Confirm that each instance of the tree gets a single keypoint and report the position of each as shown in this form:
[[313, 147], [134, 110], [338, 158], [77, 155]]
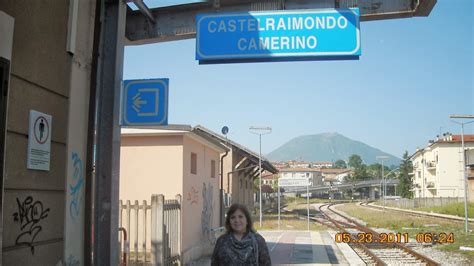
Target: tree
[[406, 181], [359, 168], [355, 161], [375, 170], [340, 164]]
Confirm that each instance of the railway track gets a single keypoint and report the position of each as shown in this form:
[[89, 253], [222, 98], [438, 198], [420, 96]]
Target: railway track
[[373, 247]]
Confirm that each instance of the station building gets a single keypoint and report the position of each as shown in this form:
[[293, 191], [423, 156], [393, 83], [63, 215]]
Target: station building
[[175, 161], [182, 160], [46, 59], [240, 168]]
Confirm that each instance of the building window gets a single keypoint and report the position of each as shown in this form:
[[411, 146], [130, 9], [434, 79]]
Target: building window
[[240, 183], [246, 184], [193, 163], [213, 168]]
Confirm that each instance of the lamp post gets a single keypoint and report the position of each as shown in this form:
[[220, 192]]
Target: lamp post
[[260, 131], [382, 158], [464, 161]]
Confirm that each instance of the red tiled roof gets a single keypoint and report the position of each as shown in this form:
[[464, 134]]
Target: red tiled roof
[[334, 171], [300, 170], [457, 138]]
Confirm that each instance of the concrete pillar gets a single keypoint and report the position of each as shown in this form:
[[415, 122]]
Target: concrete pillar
[[372, 193]]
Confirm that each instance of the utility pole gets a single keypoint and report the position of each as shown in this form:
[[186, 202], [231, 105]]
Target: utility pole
[[466, 222], [260, 131], [383, 187]]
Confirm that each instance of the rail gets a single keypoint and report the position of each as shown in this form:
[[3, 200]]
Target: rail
[[343, 227]]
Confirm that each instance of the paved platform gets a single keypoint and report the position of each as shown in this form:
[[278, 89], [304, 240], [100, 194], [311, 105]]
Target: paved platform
[[304, 248]]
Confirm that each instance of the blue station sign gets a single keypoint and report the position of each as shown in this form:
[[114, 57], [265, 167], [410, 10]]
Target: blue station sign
[[256, 35], [145, 102]]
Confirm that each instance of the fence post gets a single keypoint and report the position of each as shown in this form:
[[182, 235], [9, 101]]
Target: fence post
[[129, 228], [144, 231], [120, 243], [178, 222], [157, 202], [135, 246]]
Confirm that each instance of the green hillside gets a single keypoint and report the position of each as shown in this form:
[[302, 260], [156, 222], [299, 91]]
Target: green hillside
[[328, 147]]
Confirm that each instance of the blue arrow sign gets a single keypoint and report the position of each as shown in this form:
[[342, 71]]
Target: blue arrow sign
[[145, 102], [325, 33]]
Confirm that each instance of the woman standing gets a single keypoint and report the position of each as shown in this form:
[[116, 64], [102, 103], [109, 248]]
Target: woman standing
[[240, 245]]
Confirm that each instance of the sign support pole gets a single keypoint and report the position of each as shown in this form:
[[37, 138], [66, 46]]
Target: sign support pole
[[307, 200], [278, 205]]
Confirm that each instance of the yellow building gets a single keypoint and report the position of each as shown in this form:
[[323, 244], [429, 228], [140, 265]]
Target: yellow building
[[175, 161], [438, 168]]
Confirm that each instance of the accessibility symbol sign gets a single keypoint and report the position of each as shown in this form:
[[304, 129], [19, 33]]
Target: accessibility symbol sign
[[39, 141], [145, 102]]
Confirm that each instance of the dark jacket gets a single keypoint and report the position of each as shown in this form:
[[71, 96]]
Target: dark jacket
[[230, 251]]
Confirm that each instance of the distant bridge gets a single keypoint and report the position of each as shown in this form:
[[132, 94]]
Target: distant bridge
[[371, 184]]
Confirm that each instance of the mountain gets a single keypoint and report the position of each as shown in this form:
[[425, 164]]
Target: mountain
[[328, 147]]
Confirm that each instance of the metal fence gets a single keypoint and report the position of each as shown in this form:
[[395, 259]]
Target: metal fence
[[420, 202], [153, 230]]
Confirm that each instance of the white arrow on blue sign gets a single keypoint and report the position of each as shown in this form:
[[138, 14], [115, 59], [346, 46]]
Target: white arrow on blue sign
[[325, 33], [145, 102]]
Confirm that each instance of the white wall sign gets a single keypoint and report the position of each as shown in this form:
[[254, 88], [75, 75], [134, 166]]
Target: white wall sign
[[39, 141], [293, 182]]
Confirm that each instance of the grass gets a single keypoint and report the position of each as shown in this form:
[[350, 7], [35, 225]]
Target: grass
[[451, 209], [297, 203], [413, 225], [287, 222]]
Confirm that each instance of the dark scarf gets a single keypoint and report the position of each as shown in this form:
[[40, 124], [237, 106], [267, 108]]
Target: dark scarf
[[245, 250]]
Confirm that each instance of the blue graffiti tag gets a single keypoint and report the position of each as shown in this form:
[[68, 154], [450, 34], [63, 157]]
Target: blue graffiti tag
[[72, 261], [75, 188]]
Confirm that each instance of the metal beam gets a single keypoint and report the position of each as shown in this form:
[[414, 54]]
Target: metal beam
[[179, 22], [109, 76], [144, 9]]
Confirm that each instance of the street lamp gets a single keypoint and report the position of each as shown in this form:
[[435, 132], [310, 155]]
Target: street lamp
[[382, 158], [260, 131], [464, 161]]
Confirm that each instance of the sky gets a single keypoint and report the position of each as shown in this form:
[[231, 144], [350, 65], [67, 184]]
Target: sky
[[413, 73]]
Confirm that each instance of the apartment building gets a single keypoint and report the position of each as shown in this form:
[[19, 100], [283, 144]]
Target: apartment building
[[438, 168], [314, 174]]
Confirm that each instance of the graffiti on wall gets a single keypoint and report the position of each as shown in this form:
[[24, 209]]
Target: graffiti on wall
[[29, 216], [206, 218], [193, 196], [72, 261], [75, 187]]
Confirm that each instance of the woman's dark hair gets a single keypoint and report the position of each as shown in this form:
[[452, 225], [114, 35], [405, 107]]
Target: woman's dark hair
[[233, 208]]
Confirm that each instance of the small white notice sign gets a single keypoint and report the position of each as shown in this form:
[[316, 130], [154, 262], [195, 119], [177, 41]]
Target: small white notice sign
[[39, 141], [293, 182]]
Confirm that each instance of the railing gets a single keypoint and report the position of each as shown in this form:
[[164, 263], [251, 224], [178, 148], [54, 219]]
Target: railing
[[421, 202], [154, 230]]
